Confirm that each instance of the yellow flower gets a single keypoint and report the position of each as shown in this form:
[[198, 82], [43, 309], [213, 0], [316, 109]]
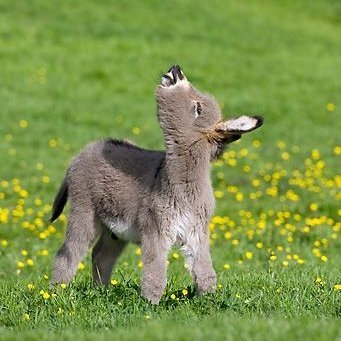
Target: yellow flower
[[45, 294], [23, 124], [273, 257], [306, 229], [114, 282], [20, 264], [246, 169], [315, 154], [324, 259], [256, 143], [218, 194], [53, 143], [227, 266], [285, 263], [228, 235], [184, 292], [320, 281], [81, 266], [281, 144], [285, 156], [330, 106], [63, 285], [4, 242], [239, 197], [44, 252], [232, 162], [313, 207], [8, 137], [42, 235], [175, 255], [244, 152], [337, 287], [39, 166], [255, 182], [290, 239], [140, 264], [138, 251], [30, 262], [232, 189], [37, 202], [45, 179], [30, 286], [26, 317], [248, 255], [272, 191], [23, 193], [173, 297], [259, 245], [136, 130]]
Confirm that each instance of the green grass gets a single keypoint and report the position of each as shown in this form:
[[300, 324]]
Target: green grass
[[77, 71]]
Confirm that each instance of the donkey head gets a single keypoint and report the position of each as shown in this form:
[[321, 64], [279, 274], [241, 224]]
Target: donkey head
[[187, 116]]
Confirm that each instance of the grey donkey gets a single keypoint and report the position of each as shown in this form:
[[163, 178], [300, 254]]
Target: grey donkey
[[121, 193]]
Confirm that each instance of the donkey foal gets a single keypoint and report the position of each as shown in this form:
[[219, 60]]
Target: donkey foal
[[120, 193]]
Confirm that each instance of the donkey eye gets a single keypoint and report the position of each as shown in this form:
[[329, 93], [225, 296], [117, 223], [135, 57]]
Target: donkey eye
[[198, 109]]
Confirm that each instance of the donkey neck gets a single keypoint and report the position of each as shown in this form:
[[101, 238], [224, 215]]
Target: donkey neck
[[188, 164]]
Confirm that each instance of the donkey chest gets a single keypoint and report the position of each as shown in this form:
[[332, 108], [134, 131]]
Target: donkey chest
[[183, 227]]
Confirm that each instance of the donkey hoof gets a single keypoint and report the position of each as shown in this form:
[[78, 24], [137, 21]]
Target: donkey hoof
[[207, 285]]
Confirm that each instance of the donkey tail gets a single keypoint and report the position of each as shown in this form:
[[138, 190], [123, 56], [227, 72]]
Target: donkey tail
[[59, 201]]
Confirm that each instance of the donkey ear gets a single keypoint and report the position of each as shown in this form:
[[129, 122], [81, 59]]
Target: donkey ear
[[240, 125]]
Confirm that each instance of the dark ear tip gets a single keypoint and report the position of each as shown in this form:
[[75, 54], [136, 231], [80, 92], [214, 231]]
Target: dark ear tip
[[260, 120], [236, 137]]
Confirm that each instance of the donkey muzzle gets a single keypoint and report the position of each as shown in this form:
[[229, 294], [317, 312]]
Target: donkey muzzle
[[173, 76]]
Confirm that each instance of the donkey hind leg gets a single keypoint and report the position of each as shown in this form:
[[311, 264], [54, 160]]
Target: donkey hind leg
[[104, 256], [82, 230]]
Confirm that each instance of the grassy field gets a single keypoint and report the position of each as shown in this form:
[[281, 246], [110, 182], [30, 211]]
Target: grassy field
[[77, 71]]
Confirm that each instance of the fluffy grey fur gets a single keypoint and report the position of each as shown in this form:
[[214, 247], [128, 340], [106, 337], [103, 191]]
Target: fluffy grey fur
[[120, 193]]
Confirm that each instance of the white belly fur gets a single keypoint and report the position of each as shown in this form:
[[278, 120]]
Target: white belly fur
[[123, 230]]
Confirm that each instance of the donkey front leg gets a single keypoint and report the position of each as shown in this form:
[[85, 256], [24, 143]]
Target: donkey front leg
[[197, 253], [154, 256]]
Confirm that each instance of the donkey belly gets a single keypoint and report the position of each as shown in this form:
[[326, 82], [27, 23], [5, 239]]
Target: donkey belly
[[123, 230]]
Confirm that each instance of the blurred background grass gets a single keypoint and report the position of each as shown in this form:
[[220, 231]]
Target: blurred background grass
[[76, 71], [82, 70]]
